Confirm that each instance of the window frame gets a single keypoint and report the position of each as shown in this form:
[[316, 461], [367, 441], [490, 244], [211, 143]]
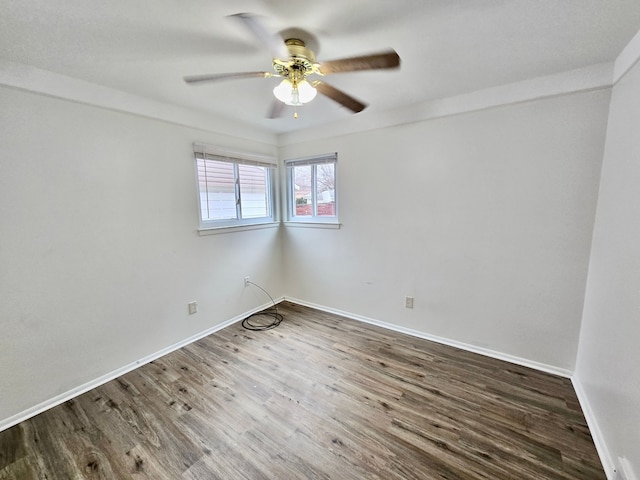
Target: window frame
[[204, 152], [314, 162]]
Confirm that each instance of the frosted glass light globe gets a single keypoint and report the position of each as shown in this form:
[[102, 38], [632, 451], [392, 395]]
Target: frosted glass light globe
[[286, 93]]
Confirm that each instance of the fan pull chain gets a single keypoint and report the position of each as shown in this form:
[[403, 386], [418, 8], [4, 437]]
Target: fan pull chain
[[295, 113]]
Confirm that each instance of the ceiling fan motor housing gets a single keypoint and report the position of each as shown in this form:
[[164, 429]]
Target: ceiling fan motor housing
[[301, 62]]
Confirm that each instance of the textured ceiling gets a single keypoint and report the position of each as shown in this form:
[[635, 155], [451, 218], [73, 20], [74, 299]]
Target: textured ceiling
[[448, 47]]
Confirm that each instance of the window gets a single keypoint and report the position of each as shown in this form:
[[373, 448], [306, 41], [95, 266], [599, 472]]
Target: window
[[312, 189], [234, 188]]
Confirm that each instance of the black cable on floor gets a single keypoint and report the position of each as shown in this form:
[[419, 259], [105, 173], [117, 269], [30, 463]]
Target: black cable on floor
[[269, 312]]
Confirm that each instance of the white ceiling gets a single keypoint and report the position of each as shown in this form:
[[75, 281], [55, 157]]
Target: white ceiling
[[448, 47]]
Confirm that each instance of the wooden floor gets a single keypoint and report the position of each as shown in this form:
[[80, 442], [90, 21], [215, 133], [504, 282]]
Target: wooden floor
[[319, 397]]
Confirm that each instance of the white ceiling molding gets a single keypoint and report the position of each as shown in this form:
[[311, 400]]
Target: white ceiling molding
[[448, 49], [40, 81], [627, 58], [585, 79], [35, 80]]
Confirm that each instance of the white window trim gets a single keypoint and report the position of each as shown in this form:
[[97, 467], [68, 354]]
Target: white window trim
[[236, 228], [211, 227], [311, 221], [312, 224]]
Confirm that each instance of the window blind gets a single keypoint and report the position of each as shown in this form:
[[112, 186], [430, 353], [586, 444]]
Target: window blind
[[315, 160], [210, 152]]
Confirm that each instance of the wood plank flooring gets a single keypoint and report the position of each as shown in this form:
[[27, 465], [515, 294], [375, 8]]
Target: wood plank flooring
[[319, 397]]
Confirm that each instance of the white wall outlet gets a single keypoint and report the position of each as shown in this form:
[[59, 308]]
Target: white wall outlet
[[408, 302], [246, 281], [193, 307]]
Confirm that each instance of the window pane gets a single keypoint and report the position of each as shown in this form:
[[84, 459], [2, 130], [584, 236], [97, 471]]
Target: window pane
[[254, 191], [217, 190], [302, 191], [325, 189]]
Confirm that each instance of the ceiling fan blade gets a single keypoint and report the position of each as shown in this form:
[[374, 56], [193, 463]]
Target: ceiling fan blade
[[275, 109], [214, 77], [272, 41], [339, 96], [376, 61]]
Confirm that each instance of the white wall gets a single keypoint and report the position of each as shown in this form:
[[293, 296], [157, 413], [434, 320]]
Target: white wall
[[99, 253], [608, 365], [485, 218]]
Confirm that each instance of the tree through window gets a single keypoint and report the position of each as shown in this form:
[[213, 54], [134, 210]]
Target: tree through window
[[312, 188]]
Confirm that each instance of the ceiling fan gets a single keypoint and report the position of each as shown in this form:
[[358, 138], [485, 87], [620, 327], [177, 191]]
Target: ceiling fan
[[294, 61]]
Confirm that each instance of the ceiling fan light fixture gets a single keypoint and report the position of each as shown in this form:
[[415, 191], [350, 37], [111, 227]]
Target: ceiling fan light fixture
[[299, 94], [306, 91], [296, 63]]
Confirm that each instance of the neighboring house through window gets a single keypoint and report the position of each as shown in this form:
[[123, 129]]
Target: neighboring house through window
[[311, 184], [234, 188]]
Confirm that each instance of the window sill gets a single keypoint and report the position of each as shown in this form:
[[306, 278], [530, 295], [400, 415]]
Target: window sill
[[333, 225], [236, 228]]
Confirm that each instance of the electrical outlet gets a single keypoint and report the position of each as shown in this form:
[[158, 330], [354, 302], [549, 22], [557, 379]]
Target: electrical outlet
[[408, 302], [246, 281], [193, 307]]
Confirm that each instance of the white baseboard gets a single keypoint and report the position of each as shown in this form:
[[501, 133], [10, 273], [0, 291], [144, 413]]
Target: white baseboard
[[445, 341], [79, 390], [615, 469], [605, 456], [596, 433]]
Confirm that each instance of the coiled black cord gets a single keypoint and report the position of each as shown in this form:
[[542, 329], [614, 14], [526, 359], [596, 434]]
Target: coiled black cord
[[269, 312]]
